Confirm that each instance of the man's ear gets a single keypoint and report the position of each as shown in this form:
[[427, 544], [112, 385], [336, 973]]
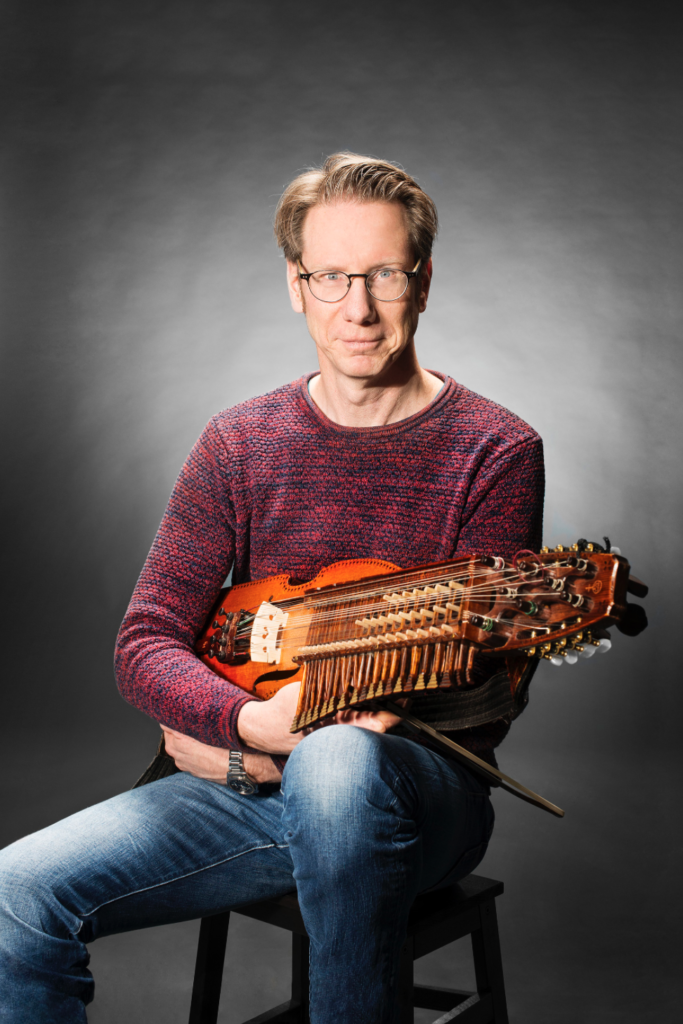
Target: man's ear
[[294, 287], [425, 280]]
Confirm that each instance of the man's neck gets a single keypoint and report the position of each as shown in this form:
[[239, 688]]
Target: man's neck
[[356, 402]]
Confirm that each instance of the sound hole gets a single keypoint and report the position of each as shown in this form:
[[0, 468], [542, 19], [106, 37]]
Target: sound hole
[[276, 677]]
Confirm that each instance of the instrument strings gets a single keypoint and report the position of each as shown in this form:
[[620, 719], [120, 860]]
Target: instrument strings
[[341, 607]]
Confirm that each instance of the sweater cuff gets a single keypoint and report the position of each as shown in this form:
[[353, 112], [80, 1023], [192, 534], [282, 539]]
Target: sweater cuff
[[230, 716], [229, 724]]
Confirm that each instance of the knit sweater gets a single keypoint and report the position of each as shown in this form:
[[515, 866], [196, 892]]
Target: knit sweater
[[272, 485]]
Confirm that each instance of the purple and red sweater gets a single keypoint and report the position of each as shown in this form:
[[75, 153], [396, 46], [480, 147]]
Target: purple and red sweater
[[272, 485]]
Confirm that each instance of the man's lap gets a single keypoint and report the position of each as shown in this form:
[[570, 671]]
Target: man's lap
[[182, 847], [173, 850], [435, 803]]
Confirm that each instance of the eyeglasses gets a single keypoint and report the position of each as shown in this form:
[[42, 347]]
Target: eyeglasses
[[385, 284]]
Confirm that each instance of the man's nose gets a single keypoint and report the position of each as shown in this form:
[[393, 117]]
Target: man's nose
[[358, 303]]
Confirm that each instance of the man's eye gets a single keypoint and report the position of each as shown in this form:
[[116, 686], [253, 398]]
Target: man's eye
[[384, 275], [331, 277]]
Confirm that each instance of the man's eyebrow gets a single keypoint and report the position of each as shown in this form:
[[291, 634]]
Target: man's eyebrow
[[376, 266]]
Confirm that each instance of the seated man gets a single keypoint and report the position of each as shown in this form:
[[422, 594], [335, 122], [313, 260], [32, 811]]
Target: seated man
[[371, 457]]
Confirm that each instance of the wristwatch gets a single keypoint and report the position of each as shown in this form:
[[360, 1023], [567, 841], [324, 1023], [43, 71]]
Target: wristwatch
[[237, 779]]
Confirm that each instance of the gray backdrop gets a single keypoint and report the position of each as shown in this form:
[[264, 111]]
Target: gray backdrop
[[145, 145]]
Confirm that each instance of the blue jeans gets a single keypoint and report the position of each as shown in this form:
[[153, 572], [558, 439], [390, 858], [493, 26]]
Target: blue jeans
[[361, 824]]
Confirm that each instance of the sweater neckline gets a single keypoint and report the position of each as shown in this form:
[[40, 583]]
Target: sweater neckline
[[449, 391]]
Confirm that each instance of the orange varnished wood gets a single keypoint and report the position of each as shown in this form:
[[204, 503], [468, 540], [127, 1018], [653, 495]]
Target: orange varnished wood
[[276, 589]]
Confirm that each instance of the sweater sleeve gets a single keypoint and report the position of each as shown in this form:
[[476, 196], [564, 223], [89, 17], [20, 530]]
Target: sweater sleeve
[[504, 513], [156, 668], [504, 509]]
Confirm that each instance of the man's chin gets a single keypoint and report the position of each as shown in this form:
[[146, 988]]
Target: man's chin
[[365, 366], [369, 371]]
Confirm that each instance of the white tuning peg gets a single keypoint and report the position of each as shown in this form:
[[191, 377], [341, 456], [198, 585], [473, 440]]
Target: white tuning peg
[[571, 657], [587, 652], [557, 660], [605, 645], [614, 551]]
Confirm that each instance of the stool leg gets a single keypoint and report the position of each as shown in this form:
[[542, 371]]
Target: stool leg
[[208, 974], [488, 962], [300, 966], [406, 1013]]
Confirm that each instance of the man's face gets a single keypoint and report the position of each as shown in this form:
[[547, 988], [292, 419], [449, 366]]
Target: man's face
[[359, 336]]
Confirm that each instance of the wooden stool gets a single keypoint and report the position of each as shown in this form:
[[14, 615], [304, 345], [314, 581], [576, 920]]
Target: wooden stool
[[436, 918]]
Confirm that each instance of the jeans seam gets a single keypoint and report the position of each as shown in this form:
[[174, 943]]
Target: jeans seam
[[178, 878]]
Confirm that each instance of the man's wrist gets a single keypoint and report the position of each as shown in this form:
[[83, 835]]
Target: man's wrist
[[237, 777], [263, 767]]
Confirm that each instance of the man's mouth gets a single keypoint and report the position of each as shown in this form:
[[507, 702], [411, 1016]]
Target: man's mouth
[[360, 341]]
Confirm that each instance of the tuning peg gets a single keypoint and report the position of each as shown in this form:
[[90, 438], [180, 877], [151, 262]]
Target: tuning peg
[[614, 551], [633, 621], [605, 645], [548, 654], [571, 657], [587, 652]]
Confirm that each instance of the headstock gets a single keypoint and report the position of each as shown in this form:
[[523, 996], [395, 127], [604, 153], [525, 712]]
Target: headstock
[[554, 605]]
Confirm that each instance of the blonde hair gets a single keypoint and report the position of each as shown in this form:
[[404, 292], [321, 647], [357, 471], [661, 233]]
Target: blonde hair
[[361, 178]]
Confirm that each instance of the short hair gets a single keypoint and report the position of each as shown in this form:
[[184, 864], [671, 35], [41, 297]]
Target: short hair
[[348, 176]]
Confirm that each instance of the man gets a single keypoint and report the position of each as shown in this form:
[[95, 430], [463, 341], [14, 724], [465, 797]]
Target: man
[[372, 456]]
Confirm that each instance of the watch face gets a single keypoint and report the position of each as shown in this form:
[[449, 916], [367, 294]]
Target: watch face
[[241, 785]]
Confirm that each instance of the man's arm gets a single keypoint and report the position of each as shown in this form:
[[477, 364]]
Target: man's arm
[[158, 671], [263, 725], [156, 667], [504, 510]]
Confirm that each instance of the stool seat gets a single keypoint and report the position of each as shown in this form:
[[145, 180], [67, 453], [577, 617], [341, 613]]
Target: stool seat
[[436, 919]]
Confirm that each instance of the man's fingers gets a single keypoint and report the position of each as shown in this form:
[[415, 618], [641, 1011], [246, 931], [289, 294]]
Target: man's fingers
[[177, 743], [173, 737], [373, 724], [172, 742], [375, 721]]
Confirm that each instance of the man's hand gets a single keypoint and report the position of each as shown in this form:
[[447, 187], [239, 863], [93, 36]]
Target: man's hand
[[376, 721], [265, 725], [211, 763]]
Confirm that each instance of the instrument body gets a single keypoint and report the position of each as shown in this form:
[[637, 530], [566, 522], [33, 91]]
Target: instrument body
[[264, 679], [364, 629]]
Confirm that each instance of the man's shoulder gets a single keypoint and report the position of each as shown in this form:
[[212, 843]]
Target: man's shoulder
[[282, 404], [472, 413]]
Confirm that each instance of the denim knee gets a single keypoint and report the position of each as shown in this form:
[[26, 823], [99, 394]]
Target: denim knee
[[334, 766], [341, 786], [27, 889], [19, 879]]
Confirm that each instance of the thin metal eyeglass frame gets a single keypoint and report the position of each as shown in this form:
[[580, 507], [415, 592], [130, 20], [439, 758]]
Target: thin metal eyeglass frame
[[409, 274]]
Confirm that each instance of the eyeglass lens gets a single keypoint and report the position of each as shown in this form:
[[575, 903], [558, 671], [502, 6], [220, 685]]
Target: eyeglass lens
[[385, 284]]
